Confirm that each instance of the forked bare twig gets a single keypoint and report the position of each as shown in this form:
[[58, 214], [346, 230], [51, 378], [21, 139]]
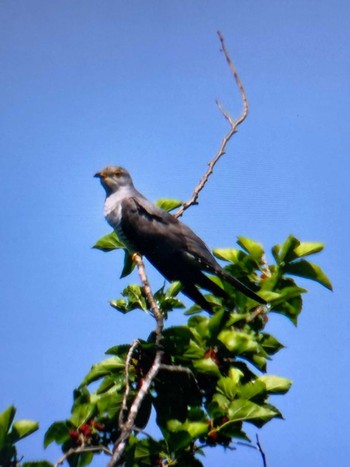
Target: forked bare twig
[[233, 129]]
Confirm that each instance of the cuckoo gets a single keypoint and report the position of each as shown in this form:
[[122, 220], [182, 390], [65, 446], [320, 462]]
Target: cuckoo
[[168, 244]]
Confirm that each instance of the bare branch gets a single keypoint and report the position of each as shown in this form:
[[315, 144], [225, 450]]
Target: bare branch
[[128, 426], [233, 129], [81, 450], [146, 287], [124, 407]]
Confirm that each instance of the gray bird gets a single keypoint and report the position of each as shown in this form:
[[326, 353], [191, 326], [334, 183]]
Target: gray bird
[[172, 247]]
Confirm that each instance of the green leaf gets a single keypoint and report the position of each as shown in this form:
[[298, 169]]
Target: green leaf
[[173, 289], [285, 252], [245, 410], [6, 419], [276, 384], [308, 248], [270, 344], [81, 413], [228, 385], [207, 366], [57, 432], [231, 255], [252, 389], [308, 270], [107, 366], [109, 242], [129, 265], [255, 249], [37, 464], [168, 204], [216, 322], [238, 342], [23, 428], [178, 440]]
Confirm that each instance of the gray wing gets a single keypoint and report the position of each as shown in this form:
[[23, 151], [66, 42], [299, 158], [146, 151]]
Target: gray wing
[[153, 230]]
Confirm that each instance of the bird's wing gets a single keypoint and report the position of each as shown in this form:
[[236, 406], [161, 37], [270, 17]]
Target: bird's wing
[[149, 227]]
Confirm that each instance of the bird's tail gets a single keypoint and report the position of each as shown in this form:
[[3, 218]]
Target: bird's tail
[[240, 286]]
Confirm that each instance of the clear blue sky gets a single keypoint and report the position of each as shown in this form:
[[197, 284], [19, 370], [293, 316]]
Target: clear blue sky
[[84, 84]]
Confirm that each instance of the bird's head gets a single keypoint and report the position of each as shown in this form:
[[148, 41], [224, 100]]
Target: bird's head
[[114, 178]]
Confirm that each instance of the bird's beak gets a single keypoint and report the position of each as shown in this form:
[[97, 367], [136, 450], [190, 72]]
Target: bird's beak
[[98, 175]]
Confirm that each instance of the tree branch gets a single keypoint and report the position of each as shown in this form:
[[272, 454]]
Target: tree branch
[[81, 450], [233, 129], [124, 407], [128, 426]]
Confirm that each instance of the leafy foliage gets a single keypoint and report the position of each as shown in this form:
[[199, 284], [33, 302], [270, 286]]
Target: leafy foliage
[[10, 433], [213, 379]]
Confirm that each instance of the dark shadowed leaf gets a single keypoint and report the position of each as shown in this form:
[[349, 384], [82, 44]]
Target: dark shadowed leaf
[[285, 252], [57, 432], [6, 419], [37, 464], [308, 270], [129, 264]]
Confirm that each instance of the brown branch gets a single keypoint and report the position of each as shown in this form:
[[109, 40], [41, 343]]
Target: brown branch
[[128, 426], [124, 407], [81, 450], [233, 129]]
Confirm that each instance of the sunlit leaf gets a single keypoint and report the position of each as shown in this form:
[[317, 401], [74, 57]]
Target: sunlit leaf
[[227, 254], [23, 428], [255, 249], [109, 242], [308, 248], [112, 364], [245, 410], [252, 389], [276, 384], [238, 342], [168, 204], [207, 366]]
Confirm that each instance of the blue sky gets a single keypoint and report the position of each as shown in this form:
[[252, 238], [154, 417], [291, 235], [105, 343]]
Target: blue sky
[[84, 84]]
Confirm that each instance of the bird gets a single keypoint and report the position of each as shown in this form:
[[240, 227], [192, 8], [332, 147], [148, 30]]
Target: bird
[[168, 244]]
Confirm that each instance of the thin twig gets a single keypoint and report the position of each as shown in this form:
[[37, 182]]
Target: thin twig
[[128, 426], [124, 407], [233, 129], [260, 449], [81, 450]]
